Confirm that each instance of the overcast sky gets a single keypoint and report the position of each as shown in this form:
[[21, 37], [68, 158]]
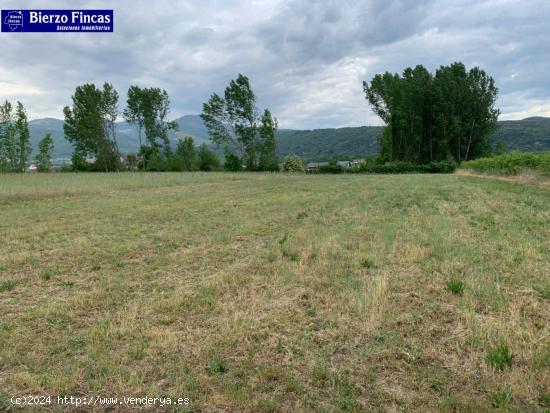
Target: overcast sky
[[306, 59]]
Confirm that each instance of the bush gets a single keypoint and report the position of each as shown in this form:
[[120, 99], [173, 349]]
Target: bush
[[442, 167], [332, 168], [206, 159], [511, 164], [293, 163], [232, 162]]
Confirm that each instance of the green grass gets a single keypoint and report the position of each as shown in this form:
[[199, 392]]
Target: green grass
[[500, 357], [274, 292], [456, 286]]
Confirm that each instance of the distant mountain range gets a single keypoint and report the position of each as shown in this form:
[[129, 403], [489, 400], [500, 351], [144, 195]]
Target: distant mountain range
[[531, 134], [126, 134]]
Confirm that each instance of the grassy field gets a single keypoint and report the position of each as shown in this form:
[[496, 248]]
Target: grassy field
[[257, 292]]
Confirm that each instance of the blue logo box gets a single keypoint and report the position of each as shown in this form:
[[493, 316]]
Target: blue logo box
[[58, 21]]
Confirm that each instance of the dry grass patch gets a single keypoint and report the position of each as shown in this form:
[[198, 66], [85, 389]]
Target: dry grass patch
[[261, 292]]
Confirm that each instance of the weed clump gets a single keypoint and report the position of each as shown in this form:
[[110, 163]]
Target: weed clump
[[218, 365], [7, 285], [456, 286], [368, 263], [500, 357]]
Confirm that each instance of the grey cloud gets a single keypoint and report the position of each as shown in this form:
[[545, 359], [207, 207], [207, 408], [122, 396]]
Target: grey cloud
[[306, 59]]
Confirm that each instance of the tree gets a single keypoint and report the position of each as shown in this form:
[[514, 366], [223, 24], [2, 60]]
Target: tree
[[8, 150], [232, 162], [186, 153], [44, 156], [268, 155], [206, 159], [233, 121], [90, 124], [434, 117], [22, 146], [148, 109], [293, 163], [78, 161], [133, 113]]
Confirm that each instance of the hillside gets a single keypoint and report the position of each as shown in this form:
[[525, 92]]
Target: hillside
[[531, 134], [127, 138]]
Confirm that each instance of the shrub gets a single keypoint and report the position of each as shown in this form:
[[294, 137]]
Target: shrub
[[293, 163], [405, 167], [232, 162], [500, 357], [511, 164], [206, 159], [332, 168], [442, 167]]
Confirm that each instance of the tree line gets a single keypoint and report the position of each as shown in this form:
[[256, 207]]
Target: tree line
[[429, 117], [232, 121], [15, 147], [434, 117]]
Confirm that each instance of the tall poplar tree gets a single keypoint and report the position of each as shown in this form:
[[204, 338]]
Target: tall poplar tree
[[434, 117], [233, 121], [7, 138], [148, 110], [90, 124], [22, 145], [45, 152]]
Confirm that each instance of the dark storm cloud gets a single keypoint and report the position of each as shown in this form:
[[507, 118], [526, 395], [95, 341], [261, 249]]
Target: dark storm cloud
[[306, 59]]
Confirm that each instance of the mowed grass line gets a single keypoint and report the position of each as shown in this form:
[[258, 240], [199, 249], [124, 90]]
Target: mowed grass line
[[259, 292]]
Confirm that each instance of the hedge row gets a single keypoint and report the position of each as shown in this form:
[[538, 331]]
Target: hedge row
[[511, 164]]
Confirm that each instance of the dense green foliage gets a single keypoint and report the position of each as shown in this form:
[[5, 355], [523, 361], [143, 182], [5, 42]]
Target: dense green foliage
[[186, 153], [90, 125], [232, 162], [401, 167], [268, 155], [511, 164], [187, 157], [332, 167], [148, 109], [232, 122], [207, 160], [434, 117], [22, 147], [44, 156], [15, 148], [293, 163]]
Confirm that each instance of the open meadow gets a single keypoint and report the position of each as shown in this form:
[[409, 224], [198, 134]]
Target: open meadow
[[276, 292]]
